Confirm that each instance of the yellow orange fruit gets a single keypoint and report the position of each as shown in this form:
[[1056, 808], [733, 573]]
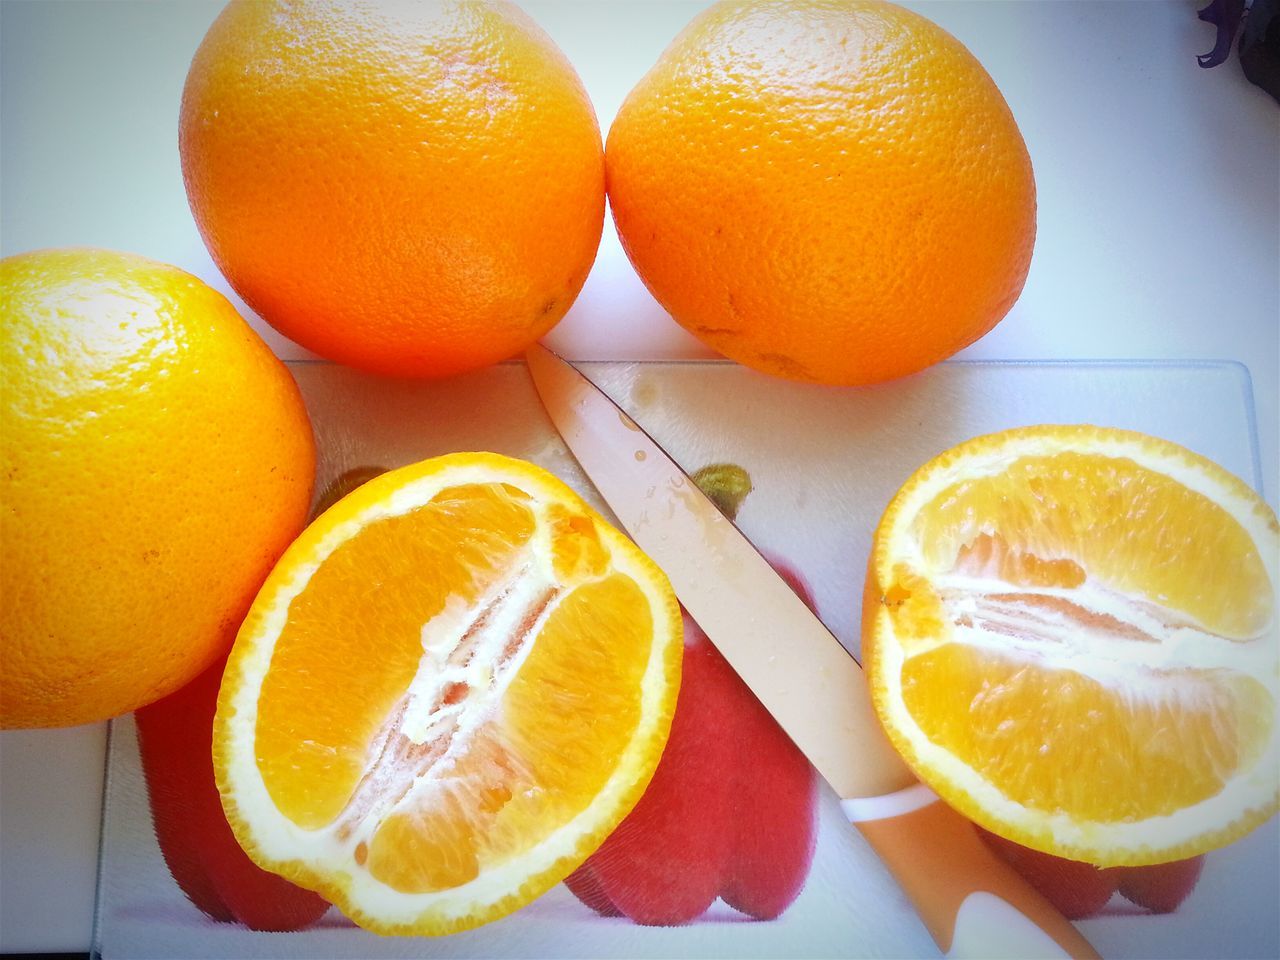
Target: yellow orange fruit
[[825, 190], [416, 189], [1071, 635], [155, 460], [451, 688]]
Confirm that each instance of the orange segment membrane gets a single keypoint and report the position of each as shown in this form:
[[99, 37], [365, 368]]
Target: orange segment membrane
[[1058, 536], [1070, 636], [1057, 520], [493, 663], [318, 713], [1054, 739], [576, 550], [490, 806]]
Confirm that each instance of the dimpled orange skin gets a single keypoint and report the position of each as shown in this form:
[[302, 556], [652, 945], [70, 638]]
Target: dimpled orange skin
[[155, 460], [413, 189], [826, 191]]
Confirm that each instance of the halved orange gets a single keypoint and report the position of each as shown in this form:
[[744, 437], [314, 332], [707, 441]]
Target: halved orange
[[1071, 636], [450, 689]]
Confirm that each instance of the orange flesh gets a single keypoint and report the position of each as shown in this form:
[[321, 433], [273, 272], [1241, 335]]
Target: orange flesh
[[1010, 557], [485, 809], [1138, 532], [1009, 717], [428, 802]]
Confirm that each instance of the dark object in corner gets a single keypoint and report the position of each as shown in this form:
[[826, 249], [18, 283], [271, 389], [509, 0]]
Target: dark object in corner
[[1259, 47], [1226, 16]]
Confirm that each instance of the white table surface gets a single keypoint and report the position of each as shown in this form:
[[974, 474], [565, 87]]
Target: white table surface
[[1159, 238]]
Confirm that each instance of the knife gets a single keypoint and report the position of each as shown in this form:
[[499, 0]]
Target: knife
[[972, 903]]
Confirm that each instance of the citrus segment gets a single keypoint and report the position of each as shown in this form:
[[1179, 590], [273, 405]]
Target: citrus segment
[[1075, 514], [451, 688], [1071, 635], [455, 544], [1196, 727]]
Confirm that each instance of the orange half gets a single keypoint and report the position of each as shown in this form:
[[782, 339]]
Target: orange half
[[451, 688], [1071, 636]]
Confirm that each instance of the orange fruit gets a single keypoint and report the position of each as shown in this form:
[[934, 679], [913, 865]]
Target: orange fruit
[[414, 189], [826, 190], [155, 460], [1070, 634], [451, 688]]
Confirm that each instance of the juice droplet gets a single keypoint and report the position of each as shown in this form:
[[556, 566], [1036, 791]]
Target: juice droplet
[[644, 392], [640, 454]]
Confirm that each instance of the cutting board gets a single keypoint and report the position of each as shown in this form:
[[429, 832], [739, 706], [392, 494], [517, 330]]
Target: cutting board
[[823, 463]]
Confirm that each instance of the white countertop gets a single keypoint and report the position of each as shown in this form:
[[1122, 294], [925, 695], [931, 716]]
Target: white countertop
[[1159, 238]]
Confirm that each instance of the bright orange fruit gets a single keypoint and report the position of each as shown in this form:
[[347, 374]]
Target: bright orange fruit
[[411, 188], [155, 460], [452, 687], [826, 190], [1071, 635]]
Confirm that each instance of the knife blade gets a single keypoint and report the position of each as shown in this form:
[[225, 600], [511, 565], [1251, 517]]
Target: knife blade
[[789, 659], [972, 903]]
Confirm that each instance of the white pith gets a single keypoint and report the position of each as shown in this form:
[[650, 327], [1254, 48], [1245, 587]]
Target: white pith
[[1010, 618], [1120, 641], [331, 850], [448, 661]]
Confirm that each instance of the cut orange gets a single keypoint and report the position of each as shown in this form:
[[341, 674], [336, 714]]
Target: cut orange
[[1071, 636], [450, 689]]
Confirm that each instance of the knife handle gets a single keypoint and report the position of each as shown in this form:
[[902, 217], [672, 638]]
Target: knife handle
[[972, 902]]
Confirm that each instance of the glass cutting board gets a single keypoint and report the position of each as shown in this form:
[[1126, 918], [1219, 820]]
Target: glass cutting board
[[824, 463]]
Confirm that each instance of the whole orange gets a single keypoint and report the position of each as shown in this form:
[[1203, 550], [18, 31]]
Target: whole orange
[[826, 190], [155, 460], [413, 189]]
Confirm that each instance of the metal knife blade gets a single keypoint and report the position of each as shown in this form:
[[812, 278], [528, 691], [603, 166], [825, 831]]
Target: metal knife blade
[[786, 655]]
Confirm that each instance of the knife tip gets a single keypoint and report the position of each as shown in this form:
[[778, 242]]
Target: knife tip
[[540, 351], [542, 356]]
